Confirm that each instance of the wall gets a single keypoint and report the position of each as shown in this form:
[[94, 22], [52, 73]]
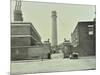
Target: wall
[[20, 30], [38, 52], [86, 44], [19, 53], [21, 41], [87, 41]]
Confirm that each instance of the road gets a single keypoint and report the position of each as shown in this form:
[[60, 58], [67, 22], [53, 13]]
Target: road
[[53, 65]]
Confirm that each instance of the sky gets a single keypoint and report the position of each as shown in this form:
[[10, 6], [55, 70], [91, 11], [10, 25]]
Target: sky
[[68, 15]]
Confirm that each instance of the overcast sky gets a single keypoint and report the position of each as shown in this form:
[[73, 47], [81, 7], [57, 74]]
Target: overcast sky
[[68, 15]]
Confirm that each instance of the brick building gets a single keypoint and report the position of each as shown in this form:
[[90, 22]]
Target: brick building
[[83, 38], [26, 42]]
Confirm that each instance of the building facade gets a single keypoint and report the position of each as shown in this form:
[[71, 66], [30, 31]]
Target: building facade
[[83, 38], [26, 42], [24, 34]]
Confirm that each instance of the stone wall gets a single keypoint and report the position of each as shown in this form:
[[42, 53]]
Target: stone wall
[[19, 53], [38, 52]]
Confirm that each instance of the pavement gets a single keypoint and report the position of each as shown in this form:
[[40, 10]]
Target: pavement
[[53, 65]]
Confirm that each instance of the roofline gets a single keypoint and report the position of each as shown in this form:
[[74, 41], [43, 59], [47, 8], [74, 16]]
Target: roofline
[[81, 22], [84, 21], [20, 22]]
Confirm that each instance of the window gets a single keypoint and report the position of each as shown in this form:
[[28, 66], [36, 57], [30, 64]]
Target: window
[[90, 32], [91, 26], [17, 52], [90, 29]]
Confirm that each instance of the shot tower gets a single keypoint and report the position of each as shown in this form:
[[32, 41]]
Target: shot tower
[[54, 29]]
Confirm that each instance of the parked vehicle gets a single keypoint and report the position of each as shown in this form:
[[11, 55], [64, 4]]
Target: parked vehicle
[[74, 56]]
